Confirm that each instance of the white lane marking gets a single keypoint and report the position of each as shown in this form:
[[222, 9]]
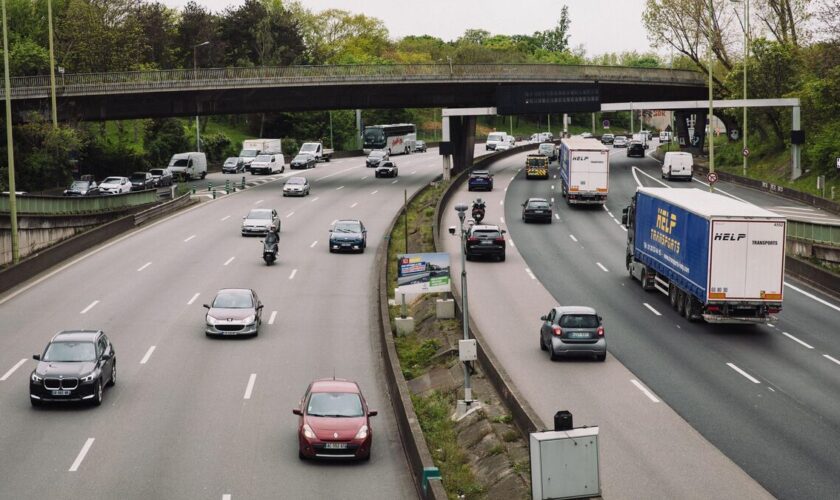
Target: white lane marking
[[365, 177], [81, 456], [552, 187], [313, 200], [717, 189], [617, 221], [290, 214], [654, 311], [250, 388], [811, 296], [745, 374], [794, 208], [647, 392], [552, 200], [226, 217], [605, 208], [190, 302], [395, 181], [313, 244], [791, 337], [229, 261], [501, 202], [339, 187], [188, 239], [530, 273], [555, 176], [557, 216], [144, 266], [830, 358], [622, 227], [511, 242], [88, 308], [375, 191], [334, 173], [272, 317], [502, 219], [602, 267], [771, 325], [413, 172], [292, 276], [354, 205], [506, 189], [226, 496], [258, 202], [12, 370], [636, 169], [573, 238], [148, 355]]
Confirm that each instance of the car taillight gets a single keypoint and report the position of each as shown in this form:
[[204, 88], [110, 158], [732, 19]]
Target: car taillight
[[600, 331], [558, 332], [500, 241], [713, 309], [472, 239]]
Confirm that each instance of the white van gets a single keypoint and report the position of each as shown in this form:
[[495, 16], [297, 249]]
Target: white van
[[188, 165], [268, 164], [494, 139], [677, 165]]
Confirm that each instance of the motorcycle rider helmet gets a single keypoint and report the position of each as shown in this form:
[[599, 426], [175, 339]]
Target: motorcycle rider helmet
[[478, 201], [272, 228]]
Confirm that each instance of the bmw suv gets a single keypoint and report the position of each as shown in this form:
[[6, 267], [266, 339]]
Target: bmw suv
[[485, 240], [75, 366]]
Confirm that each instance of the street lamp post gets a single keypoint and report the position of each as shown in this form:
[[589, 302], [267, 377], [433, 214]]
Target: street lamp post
[[746, 26], [9, 143], [195, 76], [52, 65], [462, 208], [711, 134]]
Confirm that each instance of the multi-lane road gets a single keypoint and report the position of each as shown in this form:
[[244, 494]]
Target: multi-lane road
[[686, 409], [192, 417]]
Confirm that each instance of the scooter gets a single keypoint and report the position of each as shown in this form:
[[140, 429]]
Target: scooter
[[269, 251]]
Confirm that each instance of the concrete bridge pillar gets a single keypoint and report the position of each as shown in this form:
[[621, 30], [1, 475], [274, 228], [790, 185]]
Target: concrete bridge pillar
[[458, 145]]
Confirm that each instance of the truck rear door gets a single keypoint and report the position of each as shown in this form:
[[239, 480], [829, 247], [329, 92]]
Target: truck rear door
[[590, 172], [747, 260]]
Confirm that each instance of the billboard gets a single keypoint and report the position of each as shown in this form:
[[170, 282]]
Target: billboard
[[423, 273]]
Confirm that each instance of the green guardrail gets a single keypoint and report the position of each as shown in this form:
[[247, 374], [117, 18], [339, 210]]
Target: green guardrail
[[71, 205], [825, 234]]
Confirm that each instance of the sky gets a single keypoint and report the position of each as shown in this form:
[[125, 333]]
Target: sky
[[600, 26]]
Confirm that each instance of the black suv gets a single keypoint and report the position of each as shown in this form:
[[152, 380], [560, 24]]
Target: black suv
[[75, 366], [636, 148], [485, 240]]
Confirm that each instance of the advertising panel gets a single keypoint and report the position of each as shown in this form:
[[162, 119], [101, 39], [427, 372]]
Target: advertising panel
[[423, 273]]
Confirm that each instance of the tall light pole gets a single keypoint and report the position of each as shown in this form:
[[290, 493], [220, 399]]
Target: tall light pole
[[9, 143], [462, 208], [195, 76], [746, 26], [711, 134], [52, 65]]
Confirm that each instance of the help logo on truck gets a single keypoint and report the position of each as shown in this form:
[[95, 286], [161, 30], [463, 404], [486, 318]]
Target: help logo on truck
[[666, 222]]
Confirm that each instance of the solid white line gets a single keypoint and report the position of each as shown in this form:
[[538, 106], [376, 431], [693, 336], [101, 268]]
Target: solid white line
[[88, 308], [273, 316], [811, 296], [292, 276], [354, 205], [395, 181], [226, 496], [339, 187], [506, 190], [226, 217], [791, 337], [193, 299], [638, 183], [375, 191], [313, 200], [502, 219], [144, 266], [557, 216], [745, 374], [530, 273], [501, 202], [290, 214], [188, 239], [229, 261], [313, 244], [573, 238], [602, 267], [12, 370], [78, 461], [794, 208], [148, 355], [654, 311], [258, 202], [511, 242], [645, 390], [830, 358], [250, 387]]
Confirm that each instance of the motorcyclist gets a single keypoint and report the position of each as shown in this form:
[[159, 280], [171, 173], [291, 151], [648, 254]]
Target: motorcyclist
[[272, 237], [478, 209], [478, 203]]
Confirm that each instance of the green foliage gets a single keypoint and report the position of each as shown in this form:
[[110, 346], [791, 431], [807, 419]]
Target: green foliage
[[217, 146], [502, 419], [164, 137], [28, 58], [43, 154], [414, 355]]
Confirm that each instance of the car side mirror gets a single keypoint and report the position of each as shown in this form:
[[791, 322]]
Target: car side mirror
[[244, 217], [452, 230], [373, 413], [206, 306], [544, 317], [504, 231], [106, 356], [36, 357], [296, 411], [523, 204], [624, 215], [260, 306], [262, 241]]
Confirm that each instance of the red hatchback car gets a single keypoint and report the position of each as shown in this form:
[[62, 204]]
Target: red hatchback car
[[334, 421]]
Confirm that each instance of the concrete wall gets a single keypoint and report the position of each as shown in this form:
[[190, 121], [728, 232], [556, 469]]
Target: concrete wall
[[38, 233]]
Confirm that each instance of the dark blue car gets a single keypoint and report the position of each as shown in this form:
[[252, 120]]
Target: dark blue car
[[480, 180], [348, 236]]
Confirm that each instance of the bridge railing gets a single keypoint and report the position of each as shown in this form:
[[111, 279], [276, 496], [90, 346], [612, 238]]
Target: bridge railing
[[32, 87], [71, 205], [826, 234]]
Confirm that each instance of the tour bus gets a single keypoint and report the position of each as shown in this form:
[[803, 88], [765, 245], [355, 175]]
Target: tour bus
[[396, 139]]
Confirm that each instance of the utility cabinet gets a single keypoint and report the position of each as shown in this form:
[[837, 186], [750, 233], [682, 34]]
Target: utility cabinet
[[564, 464]]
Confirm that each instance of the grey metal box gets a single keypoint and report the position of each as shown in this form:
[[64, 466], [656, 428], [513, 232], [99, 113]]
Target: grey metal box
[[564, 464]]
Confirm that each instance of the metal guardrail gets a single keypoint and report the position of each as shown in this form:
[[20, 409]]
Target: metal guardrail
[[37, 87], [61, 205], [825, 234]]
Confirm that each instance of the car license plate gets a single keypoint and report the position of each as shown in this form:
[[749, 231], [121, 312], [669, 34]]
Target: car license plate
[[578, 335], [538, 211], [60, 393], [335, 446], [487, 242]]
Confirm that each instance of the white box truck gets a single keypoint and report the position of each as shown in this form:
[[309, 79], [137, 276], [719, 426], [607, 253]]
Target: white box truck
[[188, 165], [716, 258], [584, 171], [251, 148]]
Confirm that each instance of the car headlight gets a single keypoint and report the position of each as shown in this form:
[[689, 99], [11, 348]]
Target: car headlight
[[250, 319], [363, 432], [90, 376], [36, 378], [307, 432], [211, 320]]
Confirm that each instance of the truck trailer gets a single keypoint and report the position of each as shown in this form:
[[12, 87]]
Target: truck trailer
[[584, 171], [717, 258]]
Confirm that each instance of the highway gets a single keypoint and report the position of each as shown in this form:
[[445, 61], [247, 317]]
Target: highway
[[686, 410], [192, 417]]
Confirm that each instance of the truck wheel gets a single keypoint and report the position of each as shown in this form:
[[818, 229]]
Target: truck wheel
[[680, 302], [672, 295], [691, 308]]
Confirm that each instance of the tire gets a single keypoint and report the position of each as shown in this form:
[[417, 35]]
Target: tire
[[672, 295], [551, 354], [468, 257], [97, 398], [35, 402], [542, 343], [301, 455], [680, 303], [502, 258], [113, 381], [601, 357], [690, 308]]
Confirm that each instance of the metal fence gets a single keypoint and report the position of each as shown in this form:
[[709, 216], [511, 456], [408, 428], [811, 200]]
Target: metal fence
[[814, 232], [60, 205], [37, 87]]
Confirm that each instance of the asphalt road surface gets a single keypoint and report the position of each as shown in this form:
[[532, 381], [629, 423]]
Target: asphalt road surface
[[192, 417]]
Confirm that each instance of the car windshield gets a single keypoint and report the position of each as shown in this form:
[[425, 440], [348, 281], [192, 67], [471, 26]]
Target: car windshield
[[138, 177], [495, 137], [536, 162], [309, 147], [302, 157], [348, 227], [487, 233], [296, 180], [70, 351], [263, 158], [546, 147], [334, 404], [481, 173], [377, 154], [259, 214], [420, 143], [233, 300], [579, 321], [79, 185], [608, 136], [112, 180], [231, 161], [181, 163], [156, 171], [538, 204], [248, 153]]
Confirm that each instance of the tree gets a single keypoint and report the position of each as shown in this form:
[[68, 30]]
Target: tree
[[829, 16], [158, 24], [557, 38], [43, 153], [163, 138], [785, 19], [198, 25], [28, 58], [336, 35]]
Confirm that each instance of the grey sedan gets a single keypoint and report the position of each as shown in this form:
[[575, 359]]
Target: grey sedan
[[234, 311], [296, 186], [573, 331]]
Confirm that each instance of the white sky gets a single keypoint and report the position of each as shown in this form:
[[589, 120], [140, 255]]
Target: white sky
[[599, 25]]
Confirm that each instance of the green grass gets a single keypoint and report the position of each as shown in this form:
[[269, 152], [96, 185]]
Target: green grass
[[415, 355], [236, 135], [502, 419]]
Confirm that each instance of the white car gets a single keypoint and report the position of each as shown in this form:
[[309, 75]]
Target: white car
[[115, 185], [620, 141], [296, 186], [259, 221], [586, 135]]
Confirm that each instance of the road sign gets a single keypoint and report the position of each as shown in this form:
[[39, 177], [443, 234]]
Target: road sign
[[606, 123], [838, 163], [745, 152], [712, 177]]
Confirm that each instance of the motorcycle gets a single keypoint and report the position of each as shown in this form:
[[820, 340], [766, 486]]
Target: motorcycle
[[270, 249], [478, 212]]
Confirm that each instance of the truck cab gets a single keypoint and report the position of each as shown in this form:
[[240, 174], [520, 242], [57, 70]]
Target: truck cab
[[316, 150]]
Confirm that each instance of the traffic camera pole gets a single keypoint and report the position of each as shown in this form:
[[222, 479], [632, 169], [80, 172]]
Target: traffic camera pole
[[9, 144], [462, 209]]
